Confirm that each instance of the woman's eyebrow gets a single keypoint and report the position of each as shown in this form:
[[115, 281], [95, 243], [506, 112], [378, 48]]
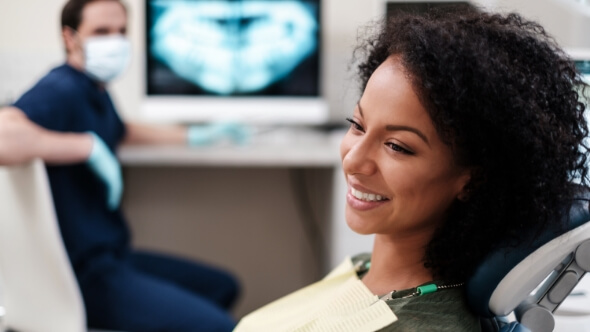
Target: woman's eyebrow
[[398, 128], [410, 129]]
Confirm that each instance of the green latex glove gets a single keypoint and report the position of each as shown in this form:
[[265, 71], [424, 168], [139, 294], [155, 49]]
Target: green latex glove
[[106, 167], [203, 135]]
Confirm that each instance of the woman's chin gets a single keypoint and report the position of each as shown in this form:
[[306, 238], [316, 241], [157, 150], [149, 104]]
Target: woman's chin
[[358, 225]]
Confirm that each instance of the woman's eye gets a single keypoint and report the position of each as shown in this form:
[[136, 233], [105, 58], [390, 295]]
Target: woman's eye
[[398, 148], [354, 124]]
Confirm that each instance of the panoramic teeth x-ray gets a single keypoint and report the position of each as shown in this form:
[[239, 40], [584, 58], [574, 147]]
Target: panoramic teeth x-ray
[[234, 47]]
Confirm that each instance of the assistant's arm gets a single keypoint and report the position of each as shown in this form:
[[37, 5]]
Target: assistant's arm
[[195, 135], [21, 140], [151, 134]]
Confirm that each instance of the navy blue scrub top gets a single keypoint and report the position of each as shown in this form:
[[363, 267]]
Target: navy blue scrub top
[[67, 100]]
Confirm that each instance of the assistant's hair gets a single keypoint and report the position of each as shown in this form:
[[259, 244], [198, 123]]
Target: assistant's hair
[[506, 99], [71, 14]]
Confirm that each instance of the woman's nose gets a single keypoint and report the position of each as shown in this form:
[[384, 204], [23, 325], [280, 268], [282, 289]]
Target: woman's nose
[[357, 156]]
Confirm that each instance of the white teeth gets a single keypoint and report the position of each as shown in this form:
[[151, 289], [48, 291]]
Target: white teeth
[[364, 196], [356, 193]]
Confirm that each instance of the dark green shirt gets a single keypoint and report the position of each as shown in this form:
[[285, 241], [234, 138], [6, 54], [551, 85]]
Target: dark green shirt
[[443, 310]]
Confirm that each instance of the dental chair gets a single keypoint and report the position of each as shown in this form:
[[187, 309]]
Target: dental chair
[[40, 292], [532, 281]]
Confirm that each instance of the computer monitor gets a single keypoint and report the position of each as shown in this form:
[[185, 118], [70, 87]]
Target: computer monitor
[[254, 61], [392, 7], [581, 59]]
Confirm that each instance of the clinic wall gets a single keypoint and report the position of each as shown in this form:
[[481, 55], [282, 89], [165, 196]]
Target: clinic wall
[[29, 44], [567, 20]]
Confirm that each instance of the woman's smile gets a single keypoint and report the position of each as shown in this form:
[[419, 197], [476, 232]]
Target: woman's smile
[[363, 199]]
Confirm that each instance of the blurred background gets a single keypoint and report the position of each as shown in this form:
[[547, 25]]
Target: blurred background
[[275, 223]]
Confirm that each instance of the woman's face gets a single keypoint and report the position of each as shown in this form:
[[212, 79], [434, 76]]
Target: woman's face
[[401, 177]]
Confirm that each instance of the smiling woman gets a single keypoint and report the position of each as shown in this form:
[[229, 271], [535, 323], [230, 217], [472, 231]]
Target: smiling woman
[[393, 150], [468, 133]]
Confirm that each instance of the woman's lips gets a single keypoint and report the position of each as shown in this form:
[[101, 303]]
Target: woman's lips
[[363, 201]]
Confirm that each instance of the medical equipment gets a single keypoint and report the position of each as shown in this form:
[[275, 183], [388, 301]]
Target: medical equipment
[[533, 278], [252, 61], [40, 292]]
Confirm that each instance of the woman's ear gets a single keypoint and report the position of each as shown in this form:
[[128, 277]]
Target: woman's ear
[[469, 181], [464, 194]]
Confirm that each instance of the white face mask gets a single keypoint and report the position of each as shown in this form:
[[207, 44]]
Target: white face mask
[[106, 57]]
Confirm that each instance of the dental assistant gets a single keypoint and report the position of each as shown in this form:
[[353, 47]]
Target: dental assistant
[[73, 124]]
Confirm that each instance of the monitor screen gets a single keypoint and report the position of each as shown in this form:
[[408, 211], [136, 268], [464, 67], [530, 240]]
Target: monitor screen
[[581, 58], [583, 67], [396, 7], [233, 48], [248, 60], [421, 7]]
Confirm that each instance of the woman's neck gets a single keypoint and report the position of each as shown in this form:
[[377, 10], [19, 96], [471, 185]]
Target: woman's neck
[[397, 264]]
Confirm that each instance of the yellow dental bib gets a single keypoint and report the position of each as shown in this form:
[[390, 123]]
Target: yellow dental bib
[[338, 303]]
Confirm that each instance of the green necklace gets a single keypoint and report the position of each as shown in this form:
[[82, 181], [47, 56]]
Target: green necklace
[[418, 291], [362, 267]]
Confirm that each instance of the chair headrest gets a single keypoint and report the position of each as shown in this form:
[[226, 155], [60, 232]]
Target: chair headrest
[[508, 275]]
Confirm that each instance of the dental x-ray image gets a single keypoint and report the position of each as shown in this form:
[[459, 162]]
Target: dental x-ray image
[[233, 47]]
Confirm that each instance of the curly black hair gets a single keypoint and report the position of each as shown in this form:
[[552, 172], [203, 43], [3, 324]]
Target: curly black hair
[[505, 98]]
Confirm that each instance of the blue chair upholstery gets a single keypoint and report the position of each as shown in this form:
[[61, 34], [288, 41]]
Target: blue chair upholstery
[[514, 327], [533, 279]]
